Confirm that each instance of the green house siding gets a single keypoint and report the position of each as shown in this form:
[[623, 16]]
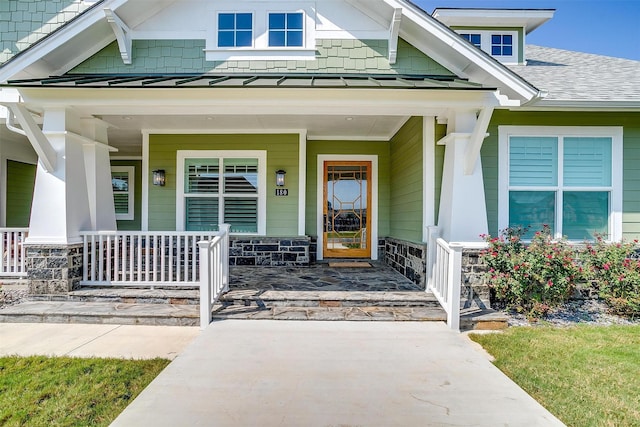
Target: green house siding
[[441, 132], [378, 148], [24, 22], [135, 223], [631, 157], [332, 56], [282, 153], [406, 182], [21, 178]]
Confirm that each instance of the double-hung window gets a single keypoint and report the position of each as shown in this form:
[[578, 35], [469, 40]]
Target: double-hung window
[[473, 38], [286, 29], [122, 185], [235, 29], [566, 178], [222, 187]]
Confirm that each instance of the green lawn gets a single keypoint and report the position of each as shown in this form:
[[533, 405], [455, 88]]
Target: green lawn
[[585, 375], [64, 391]]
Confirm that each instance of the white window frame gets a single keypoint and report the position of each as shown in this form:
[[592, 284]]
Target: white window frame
[[261, 155], [235, 12], [130, 170], [561, 132], [260, 50], [485, 43], [286, 30]]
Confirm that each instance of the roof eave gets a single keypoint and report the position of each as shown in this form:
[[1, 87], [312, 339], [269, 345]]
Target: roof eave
[[582, 105], [479, 64]]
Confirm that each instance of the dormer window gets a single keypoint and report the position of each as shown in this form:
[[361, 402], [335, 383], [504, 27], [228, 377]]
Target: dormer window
[[261, 31], [474, 39], [286, 29], [501, 45], [235, 29]]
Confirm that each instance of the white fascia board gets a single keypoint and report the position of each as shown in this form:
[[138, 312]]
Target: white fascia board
[[295, 101], [57, 38], [575, 105], [529, 19], [477, 65]]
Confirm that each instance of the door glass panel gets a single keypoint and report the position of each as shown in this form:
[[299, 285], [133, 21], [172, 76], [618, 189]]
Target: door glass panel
[[346, 212]]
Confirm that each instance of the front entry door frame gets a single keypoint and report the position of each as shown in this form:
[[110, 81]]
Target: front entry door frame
[[322, 158]]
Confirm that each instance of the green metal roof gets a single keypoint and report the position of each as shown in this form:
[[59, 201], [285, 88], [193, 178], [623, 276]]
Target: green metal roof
[[385, 81]]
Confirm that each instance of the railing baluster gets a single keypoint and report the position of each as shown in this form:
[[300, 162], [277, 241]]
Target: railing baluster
[[141, 258], [170, 278], [178, 257]]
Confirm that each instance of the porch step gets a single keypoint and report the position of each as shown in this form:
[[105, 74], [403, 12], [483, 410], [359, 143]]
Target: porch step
[[127, 296], [423, 314], [328, 305], [333, 299], [101, 313]]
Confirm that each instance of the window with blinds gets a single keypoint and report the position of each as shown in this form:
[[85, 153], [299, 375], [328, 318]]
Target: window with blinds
[[221, 190], [564, 182], [123, 191]]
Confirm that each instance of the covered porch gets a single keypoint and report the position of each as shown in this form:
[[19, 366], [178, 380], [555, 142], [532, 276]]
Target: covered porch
[[421, 138]]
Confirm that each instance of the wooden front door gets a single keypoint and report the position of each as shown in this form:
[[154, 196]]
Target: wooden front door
[[347, 195]]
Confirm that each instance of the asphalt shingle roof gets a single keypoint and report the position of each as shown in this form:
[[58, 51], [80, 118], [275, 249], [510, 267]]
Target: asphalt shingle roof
[[576, 76]]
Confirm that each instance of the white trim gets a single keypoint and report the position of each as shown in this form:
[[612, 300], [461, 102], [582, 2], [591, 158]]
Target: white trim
[[144, 224], [235, 131], [428, 173], [260, 49], [261, 155], [616, 133], [131, 193], [302, 183], [320, 197]]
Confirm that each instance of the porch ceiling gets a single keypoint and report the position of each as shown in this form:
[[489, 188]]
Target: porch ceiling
[[126, 131]]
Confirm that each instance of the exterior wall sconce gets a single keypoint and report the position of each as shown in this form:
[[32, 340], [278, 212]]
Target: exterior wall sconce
[[159, 177], [280, 177]]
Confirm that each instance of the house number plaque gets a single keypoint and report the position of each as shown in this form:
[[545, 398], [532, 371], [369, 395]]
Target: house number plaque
[[282, 192]]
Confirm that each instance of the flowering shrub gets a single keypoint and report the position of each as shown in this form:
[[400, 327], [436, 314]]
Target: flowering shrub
[[530, 278], [614, 271]]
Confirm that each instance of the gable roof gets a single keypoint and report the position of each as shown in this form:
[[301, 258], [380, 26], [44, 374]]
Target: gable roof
[[89, 32], [24, 24], [575, 79]]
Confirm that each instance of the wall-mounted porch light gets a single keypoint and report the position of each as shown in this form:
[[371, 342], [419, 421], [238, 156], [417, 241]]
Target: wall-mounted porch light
[[159, 177], [280, 177]]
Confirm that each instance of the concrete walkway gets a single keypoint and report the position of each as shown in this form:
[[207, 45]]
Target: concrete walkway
[[275, 373], [128, 342]]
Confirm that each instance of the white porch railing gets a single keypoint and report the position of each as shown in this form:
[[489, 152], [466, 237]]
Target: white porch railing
[[142, 258], [13, 253], [214, 272], [444, 273]]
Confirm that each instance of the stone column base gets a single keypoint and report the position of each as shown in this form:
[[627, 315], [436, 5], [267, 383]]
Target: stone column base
[[53, 269]]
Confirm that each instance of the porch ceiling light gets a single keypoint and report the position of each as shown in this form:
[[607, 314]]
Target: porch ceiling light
[[159, 177], [280, 177]]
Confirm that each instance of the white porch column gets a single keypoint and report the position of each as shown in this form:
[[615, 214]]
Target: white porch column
[[60, 208], [98, 172], [463, 210]]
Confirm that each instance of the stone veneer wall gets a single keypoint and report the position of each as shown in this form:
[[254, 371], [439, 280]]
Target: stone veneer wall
[[53, 269], [410, 259], [474, 291], [270, 251]]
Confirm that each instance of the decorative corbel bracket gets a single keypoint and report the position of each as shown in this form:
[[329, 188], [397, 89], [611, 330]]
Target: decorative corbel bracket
[[29, 128], [477, 137], [123, 34], [394, 30]]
